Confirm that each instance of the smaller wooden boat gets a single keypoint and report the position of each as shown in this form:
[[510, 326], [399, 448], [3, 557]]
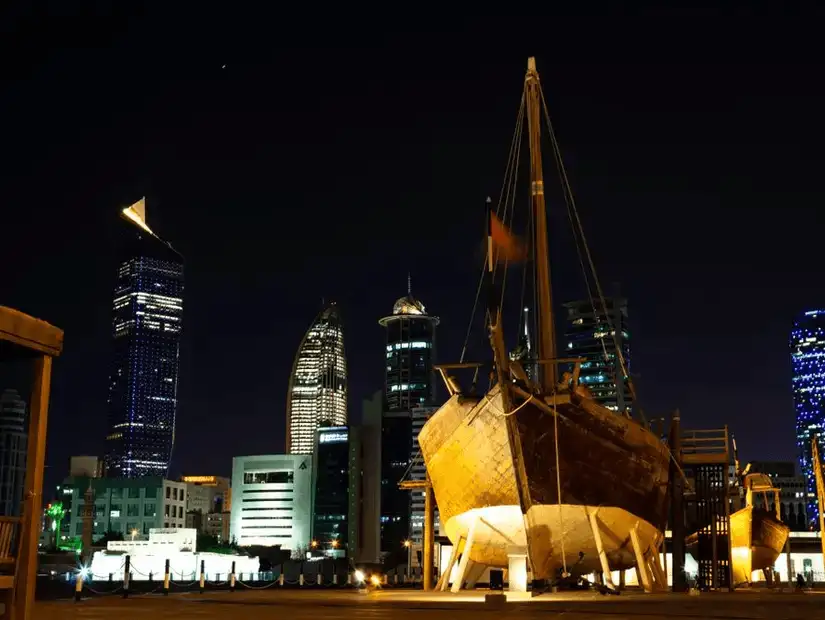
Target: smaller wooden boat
[[757, 532]]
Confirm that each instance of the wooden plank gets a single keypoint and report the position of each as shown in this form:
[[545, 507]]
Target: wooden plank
[[597, 536], [413, 484], [33, 502], [641, 562], [465, 557], [29, 332]]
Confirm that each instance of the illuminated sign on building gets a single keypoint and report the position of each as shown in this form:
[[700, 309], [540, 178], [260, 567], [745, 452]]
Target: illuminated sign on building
[[205, 480], [332, 437]]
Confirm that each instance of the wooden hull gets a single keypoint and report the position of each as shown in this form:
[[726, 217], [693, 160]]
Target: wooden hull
[[606, 463], [757, 539]]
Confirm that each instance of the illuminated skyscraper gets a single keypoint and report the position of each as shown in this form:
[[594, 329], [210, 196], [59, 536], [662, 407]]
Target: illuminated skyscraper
[[317, 389], [595, 337], [808, 365], [410, 354], [409, 387], [146, 329], [331, 506]]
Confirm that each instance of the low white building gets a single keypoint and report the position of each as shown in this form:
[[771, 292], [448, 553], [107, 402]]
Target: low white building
[[179, 546], [272, 500]]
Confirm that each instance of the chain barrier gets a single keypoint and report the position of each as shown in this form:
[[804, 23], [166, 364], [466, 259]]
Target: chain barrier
[[182, 585], [269, 585], [267, 580], [101, 593]]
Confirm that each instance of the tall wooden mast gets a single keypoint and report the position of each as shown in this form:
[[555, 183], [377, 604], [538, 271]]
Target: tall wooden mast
[[547, 333]]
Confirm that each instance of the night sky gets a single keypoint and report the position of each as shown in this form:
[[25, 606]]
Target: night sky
[[293, 158]]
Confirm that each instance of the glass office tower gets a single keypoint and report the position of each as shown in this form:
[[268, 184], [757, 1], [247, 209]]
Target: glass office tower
[[146, 328]]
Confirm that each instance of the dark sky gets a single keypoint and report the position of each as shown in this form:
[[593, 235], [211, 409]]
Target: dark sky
[[336, 152]]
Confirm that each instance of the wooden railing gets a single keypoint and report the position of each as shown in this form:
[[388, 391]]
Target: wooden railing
[[9, 537], [9, 544]]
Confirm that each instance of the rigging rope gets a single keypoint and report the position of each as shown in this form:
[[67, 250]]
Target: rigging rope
[[558, 482], [572, 202], [515, 139], [511, 205], [412, 464], [504, 414]]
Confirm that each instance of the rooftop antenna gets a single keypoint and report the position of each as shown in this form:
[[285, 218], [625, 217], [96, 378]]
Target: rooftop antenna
[[409, 284]]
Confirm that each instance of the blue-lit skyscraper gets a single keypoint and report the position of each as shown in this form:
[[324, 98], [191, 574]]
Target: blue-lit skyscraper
[[808, 363], [146, 329]]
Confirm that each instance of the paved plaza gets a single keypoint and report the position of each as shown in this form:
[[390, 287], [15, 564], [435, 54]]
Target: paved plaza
[[338, 604]]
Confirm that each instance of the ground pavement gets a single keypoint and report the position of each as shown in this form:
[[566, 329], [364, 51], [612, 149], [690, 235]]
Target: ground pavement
[[305, 605]]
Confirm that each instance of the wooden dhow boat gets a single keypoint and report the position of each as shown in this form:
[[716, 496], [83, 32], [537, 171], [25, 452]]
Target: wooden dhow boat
[[757, 533], [535, 468]]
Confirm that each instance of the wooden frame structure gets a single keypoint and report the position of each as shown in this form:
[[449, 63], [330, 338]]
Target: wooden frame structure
[[707, 453], [23, 337], [429, 525]]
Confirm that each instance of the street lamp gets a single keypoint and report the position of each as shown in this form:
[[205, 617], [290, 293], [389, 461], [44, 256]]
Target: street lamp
[[134, 533], [334, 543], [313, 544], [408, 544]]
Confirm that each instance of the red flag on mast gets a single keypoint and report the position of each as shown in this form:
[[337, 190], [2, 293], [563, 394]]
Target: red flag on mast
[[505, 245]]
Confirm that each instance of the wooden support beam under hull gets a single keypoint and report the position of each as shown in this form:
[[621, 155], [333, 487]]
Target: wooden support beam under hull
[[642, 569], [465, 558], [597, 537]]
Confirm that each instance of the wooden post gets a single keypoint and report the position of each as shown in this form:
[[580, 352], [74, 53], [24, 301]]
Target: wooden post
[[714, 534], [677, 506], [429, 527], [429, 536], [789, 563], [127, 575], [663, 558], [33, 498]]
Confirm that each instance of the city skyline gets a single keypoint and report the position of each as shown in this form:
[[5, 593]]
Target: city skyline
[[676, 194]]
